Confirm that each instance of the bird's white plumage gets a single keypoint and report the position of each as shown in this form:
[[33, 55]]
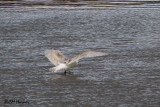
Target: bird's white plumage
[[60, 67], [62, 64]]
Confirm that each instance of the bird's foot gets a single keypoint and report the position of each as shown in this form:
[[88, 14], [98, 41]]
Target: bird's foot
[[69, 72]]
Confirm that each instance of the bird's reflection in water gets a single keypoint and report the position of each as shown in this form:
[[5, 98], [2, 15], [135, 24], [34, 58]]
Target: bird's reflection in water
[[58, 76]]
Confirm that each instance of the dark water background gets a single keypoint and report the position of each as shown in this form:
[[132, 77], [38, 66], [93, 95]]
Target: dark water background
[[128, 30]]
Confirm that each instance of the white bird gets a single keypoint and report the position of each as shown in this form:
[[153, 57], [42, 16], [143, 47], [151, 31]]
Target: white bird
[[62, 64]]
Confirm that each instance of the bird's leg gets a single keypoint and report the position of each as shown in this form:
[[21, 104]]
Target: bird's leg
[[65, 72]]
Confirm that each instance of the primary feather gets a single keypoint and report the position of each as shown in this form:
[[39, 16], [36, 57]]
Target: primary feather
[[85, 55]]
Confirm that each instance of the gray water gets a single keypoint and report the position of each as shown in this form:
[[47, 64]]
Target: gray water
[[128, 77]]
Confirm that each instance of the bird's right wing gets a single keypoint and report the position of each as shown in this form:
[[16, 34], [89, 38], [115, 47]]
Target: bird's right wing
[[55, 56], [85, 55]]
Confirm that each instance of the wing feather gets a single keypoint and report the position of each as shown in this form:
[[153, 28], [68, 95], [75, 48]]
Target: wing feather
[[55, 56], [85, 55]]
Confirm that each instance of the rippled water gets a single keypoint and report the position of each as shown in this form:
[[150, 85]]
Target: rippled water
[[128, 77]]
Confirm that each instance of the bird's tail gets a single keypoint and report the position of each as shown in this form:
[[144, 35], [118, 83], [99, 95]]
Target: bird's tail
[[53, 69]]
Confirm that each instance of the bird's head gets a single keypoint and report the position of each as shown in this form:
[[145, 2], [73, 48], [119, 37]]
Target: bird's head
[[67, 61]]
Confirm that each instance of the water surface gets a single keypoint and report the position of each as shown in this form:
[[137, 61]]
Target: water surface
[[128, 77]]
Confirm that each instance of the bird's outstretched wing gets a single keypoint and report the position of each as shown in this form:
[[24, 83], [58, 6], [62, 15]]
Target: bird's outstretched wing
[[85, 55], [55, 56]]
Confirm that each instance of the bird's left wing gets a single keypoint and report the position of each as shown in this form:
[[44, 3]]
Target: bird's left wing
[[55, 56]]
